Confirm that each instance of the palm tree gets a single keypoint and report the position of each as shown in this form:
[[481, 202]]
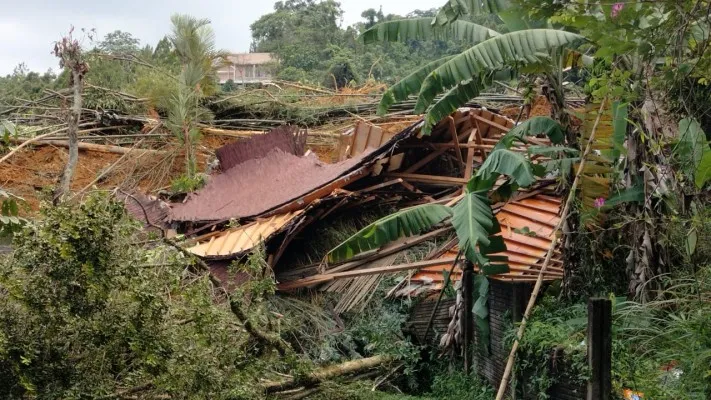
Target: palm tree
[[194, 42]]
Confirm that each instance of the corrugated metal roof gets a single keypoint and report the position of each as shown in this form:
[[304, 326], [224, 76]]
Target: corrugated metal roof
[[525, 248], [260, 185], [288, 138], [151, 211], [238, 240]]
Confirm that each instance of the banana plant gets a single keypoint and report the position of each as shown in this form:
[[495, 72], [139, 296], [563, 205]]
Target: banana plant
[[462, 77]]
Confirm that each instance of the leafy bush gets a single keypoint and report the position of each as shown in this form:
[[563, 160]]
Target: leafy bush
[[86, 313], [551, 326]]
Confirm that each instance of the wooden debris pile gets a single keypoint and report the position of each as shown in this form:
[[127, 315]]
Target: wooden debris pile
[[269, 191]]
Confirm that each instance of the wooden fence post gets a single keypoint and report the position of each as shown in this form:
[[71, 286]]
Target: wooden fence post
[[599, 348], [467, 321]]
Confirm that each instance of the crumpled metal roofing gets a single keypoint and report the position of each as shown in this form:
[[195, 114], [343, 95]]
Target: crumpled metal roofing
[[288, 138], [260, 185], [525, 248], [151, 211], [236, 241]]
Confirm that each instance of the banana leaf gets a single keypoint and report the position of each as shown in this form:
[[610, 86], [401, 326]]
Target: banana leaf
[[403, 30], [407, 222], [516, 48], [408, 85]]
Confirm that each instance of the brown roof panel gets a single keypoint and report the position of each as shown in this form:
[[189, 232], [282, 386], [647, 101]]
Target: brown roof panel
[[151, 211], [287, 138], [260, 185]]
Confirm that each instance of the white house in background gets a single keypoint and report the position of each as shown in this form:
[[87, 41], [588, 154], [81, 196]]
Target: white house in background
[[247, 68]]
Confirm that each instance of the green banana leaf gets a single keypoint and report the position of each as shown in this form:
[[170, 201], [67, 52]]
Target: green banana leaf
[[481, 312], [499, 52], [451, 100], [510, 163], [533, 127], [407, 222], [455, 9], [475, 225], [402, 30], [408, 85]]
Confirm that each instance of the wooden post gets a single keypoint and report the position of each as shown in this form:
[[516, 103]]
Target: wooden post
[[467, 321], [599, 348]]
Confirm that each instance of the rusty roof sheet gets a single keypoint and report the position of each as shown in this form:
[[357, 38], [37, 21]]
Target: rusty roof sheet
[[525, 248], [151, 211], [236, 241], [260, 185], [289, 139]]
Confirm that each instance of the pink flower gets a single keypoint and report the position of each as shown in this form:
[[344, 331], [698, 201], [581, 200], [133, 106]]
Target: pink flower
[[599, 202], [616, 8]]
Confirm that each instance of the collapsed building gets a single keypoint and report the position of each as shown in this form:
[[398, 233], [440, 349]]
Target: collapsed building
[[270, 190]]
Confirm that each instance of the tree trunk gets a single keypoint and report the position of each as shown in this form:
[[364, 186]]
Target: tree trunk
[[72, 131], [332, 371]]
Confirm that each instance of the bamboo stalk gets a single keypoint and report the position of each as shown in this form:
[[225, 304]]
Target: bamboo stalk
[[549, 255]]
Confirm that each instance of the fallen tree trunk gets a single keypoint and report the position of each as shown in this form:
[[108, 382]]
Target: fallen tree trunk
[[103, 148], [329, 372]]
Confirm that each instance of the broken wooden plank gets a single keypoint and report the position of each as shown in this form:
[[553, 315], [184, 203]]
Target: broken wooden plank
[[322, 278], [455, 141], [434, 179]]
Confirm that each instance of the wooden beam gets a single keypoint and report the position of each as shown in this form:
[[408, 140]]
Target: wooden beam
[[444, 180], [322, 278], [428, 158], [491, 123], [455, 141], [387, 250], [467, 145], [101, 148], [380, 186], [470, 155]]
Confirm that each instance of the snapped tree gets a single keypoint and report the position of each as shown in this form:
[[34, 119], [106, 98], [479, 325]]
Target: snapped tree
[[71, 57]]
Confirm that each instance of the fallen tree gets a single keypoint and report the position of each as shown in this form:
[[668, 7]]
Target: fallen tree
[[332, 371]]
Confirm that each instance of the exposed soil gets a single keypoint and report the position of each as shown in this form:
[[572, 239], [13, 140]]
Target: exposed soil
[[541, 107], [36, 169]]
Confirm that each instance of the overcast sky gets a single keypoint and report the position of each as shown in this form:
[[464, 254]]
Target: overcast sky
[[29, 27]]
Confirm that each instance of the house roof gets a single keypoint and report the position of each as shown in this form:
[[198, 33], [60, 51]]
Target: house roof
[[260, 185], [288, 138], [236, 241], [527, 228], [250, 58]]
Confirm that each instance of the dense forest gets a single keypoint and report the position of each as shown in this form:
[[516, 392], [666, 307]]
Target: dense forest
[[488, 199]]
